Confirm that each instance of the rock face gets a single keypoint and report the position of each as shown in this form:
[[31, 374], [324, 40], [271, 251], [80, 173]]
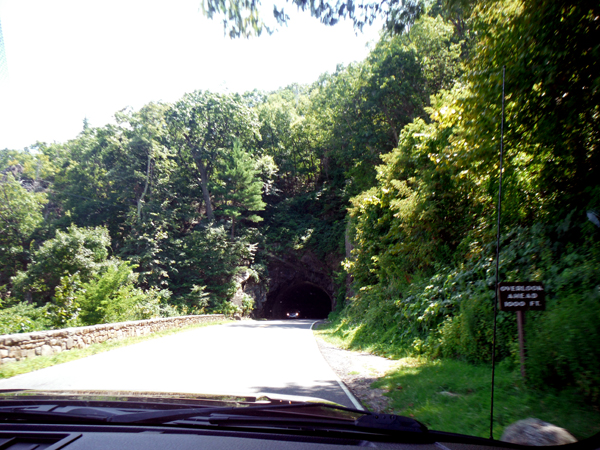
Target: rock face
[[537, 433], [241, 279], [247, 285]]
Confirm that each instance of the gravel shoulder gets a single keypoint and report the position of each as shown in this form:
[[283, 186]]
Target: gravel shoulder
[[358, 370]]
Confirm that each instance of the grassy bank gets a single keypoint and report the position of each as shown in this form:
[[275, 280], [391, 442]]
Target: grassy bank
[[41, 362], [454, 396]]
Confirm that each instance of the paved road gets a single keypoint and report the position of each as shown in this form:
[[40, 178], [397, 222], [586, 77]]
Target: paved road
[[249, 357]]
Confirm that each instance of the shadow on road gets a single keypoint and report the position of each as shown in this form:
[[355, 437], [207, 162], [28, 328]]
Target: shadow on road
[[325, 390]]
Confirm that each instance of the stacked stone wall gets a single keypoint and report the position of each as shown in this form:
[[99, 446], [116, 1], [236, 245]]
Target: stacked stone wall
[[15, 347]]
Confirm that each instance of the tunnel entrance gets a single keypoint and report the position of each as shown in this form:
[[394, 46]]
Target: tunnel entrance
[[311, 301]]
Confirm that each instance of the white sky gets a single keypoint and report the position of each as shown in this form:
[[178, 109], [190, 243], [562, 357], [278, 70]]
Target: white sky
[[70, 59]]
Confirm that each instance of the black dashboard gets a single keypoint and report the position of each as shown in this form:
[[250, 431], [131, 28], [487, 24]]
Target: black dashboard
[[79, 437]]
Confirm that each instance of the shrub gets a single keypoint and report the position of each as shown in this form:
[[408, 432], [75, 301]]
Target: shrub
[[247, 305], [24, 318], [563, 340], [77, 250], [114, 297]]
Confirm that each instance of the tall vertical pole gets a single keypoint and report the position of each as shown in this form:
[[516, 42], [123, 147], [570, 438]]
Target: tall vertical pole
[[521, 331], [497, 257]]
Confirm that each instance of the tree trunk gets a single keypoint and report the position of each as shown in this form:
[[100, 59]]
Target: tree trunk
[[204, 183], [141, 199]]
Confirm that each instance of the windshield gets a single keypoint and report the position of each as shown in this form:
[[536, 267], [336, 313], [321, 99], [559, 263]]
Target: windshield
[[413, 183]]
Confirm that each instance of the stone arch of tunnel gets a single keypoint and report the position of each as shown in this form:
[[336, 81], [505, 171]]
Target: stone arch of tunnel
[[308, 298]]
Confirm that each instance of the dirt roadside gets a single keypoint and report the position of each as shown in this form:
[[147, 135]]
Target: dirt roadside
[[358, 371]]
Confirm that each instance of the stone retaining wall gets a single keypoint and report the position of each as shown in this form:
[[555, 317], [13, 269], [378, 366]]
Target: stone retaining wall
[[14, 347]]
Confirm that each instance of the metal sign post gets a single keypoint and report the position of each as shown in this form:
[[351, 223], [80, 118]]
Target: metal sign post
[[521, 297], [521, 331]]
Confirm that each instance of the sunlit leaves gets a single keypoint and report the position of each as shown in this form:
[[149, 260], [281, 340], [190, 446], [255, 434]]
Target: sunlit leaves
[[202, 126], [76, 250], [245, 18], [20, 217], [239, 189]]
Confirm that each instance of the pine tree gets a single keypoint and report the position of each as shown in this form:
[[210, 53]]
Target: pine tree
[[240, 187]]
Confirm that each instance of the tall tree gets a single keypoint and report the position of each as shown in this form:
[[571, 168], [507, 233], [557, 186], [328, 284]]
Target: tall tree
[[240, 186], [287, 138], [142, 160], [202, 125], [20, 216]]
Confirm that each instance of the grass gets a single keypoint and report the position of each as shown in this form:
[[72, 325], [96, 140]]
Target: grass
[[40, 362], [454, 396]]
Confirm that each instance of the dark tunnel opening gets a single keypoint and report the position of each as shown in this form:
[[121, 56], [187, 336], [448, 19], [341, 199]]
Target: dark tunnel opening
[[311, 301]]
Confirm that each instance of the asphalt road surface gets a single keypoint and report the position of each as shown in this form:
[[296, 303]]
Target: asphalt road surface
[[241, 358]]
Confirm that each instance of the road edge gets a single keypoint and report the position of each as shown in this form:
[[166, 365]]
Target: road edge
[[355, 401]]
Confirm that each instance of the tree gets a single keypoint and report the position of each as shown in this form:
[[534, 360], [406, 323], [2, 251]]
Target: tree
[[288, 139], [89, 184], [206, 264], [246, 18], [394, 87], [359, 111], [552, 125], [240, 188], [20, 217], [438, 51], [141, 160], [201, 126], [76, 250]]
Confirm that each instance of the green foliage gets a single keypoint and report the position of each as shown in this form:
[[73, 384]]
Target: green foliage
[[197, 300], [562, 341], [438, 51], [226, 308], [65, 305], [20, 217], [24, 317], [76, 250], [287, 136], [240, 188], [207, 262], [451, 313], [312, 221], [201, 126], [552, 122], [247, 304], [421, 209], [112, 296], [423, 258], [245, 19], [83, 184]]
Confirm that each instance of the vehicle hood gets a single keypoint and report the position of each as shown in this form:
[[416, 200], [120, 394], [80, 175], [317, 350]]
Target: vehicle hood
[[230, 400]]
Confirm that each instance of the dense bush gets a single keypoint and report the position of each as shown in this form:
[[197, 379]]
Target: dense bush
[[563, 341], [451, 313], [23, 318], [207, 261], [21, 218], [114, 297], [72, 276], [77, 250]]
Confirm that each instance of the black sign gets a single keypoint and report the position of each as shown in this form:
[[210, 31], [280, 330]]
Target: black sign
[[522, 296]]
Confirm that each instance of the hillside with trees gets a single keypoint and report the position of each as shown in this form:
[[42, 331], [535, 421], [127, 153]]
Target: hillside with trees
[[397, 155]]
